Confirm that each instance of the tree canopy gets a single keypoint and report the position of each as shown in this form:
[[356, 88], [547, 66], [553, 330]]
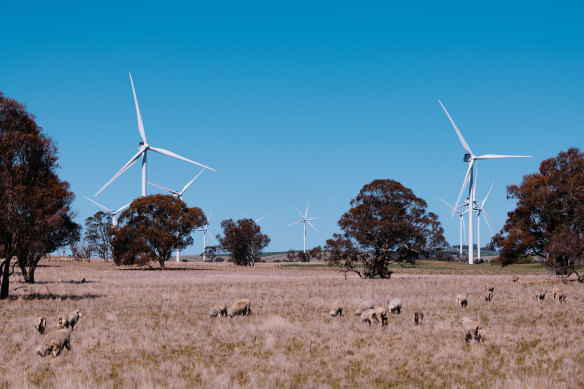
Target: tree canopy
[[386, 223], [152, 228], [97, 236], [244, 240], [548, 220]]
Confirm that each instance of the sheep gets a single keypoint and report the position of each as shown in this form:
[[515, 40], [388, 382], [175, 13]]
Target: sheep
[[395, 306], [66, 320], [240, 307], [367, 304], [515, 279], [336, 309], [218, 309], [489, 288], [488, 296], [418, 316], [368, 316], [380, 314], [472, 329], [560, 294], [40, 324], [462, 300], [55, 341], [540, 295]]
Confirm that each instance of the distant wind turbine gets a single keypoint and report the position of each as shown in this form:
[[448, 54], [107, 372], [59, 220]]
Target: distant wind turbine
[[255, 221], [305, 219], [179, 194], [113, 213], [143, 148], [461, 217], [470, 179], [204, 230], [480, 209]]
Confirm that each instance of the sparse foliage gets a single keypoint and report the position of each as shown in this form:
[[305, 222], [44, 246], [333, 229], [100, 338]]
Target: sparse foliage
[[549, 218], [97, 234], [386, 223], [244, 240], [152, 228], [35, 213]]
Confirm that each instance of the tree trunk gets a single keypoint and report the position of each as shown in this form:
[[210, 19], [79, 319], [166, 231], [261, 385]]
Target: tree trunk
[[162, 265], [5, 280], [28, 275]]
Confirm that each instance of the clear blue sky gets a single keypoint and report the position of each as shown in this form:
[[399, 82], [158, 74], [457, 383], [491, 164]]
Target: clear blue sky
[[298, 101]]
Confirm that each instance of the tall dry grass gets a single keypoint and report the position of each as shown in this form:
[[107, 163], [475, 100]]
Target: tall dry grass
[[150, 328]]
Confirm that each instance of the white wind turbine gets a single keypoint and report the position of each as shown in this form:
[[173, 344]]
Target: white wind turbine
[[470, 179], [480, 209], [205, 229], [305, 219], [461, 216], [143, 148], [113, 213]]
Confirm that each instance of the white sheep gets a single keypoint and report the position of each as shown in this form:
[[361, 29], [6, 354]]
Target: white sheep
[[368, 316], [336, 309], [462, 300], [560, 294], [418, 316], [488, 296], [395, 306], [54, 342], [380, 315], [472, 328], [218, 309], [515, 278], [40, 324], [367, 304], [69, 320], [540, 295], [240, 307], [489, 288]]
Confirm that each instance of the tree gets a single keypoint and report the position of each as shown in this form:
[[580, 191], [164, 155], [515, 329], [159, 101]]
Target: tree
[[549, 218], [386, 223], [244, 240], [152, 228], [35, 213], [97, 234]]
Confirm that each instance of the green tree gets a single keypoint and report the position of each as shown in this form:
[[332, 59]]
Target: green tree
[[152, 228], [244, 240], [386, 223], [97, 234], [548, 220]]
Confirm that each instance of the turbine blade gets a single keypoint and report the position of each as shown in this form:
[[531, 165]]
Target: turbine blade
[[466, 178], [163, 188], [312, 218], [210, 215], [174, 155], [487, 196], [497, 156], [191, 181], [214, 240], [140, 124], [464, 144], [487, 221], [261, 218], [123, 169], [121, 208], [306, 214], [300, 213], [449, 206], [299, 221], [313, 226], [99, 205]]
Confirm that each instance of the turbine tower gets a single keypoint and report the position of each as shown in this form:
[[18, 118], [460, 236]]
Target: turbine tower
[[305, 219], [461, 216], [113, 213], [470, 179], [479, 209], [143, 148], [204, 230]]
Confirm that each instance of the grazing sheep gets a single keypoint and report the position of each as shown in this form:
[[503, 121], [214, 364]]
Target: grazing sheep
[[418, 316], [472, 329], [560, 294], [336, 309], [515, 279], [54, 342], [540, 295], [462, 300], [240, 307], [69, 320], [488, 296], [218, 309], [367, 304], [40, 324], [489, 288], [368, 316], [380, 314], [395, 306]]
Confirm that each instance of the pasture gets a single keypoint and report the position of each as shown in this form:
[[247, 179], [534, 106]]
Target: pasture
[[150, 328]]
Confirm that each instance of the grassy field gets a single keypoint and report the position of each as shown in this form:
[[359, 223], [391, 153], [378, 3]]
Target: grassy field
[[150, 328]]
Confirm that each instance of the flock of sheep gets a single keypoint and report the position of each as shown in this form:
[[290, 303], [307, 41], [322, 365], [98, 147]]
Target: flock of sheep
[[55, 341]]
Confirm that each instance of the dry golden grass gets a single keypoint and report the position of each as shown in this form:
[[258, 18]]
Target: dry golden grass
[[150, 328]]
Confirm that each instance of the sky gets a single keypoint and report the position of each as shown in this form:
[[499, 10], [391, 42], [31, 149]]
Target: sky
[[298, 101]]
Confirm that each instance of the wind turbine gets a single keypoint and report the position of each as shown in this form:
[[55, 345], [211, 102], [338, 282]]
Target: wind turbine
[[175, 193], [143, 148], [204, 230], [461, 216], [479, 208], [113, 213], [470, 179], [305, 219]]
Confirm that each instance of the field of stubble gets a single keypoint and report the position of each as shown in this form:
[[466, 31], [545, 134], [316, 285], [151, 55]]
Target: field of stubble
[[150, 328]]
